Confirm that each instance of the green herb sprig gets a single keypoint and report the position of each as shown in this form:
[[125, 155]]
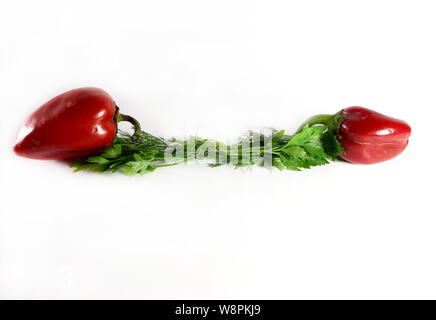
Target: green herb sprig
[[313, 145]]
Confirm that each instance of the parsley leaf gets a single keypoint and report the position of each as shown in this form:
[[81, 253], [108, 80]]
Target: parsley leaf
[[312, 146]]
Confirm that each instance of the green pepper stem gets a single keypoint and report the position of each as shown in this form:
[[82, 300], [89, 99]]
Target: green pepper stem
[[331, 121], [137, 126]]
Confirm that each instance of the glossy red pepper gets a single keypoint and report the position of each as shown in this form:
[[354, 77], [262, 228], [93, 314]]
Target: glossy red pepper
[[75, 124], [366, 136], [370, 137]]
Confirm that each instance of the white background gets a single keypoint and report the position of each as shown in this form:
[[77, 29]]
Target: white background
[[217, 69]]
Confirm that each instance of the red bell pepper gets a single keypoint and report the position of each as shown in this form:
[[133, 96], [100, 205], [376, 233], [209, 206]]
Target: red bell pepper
[[370, 137], [77, 123], [365, 135]]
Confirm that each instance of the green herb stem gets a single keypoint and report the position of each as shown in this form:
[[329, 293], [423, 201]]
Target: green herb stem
[[313, 145]]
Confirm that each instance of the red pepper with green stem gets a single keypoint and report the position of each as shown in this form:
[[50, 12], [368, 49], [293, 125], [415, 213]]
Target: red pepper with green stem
[[365, 135], [75, 124]]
